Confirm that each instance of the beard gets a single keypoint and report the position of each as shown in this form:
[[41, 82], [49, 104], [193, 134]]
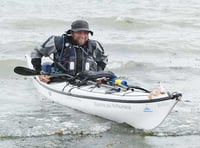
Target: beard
[[80, 41]]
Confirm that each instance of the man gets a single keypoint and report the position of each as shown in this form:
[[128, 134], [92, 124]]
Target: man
[[73, 50]]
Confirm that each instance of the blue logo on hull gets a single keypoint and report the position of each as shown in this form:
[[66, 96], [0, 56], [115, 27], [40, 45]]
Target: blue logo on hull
[[147, 109]]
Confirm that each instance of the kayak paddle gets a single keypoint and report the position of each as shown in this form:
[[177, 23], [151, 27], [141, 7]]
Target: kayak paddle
[[25, 71], [30, 72]]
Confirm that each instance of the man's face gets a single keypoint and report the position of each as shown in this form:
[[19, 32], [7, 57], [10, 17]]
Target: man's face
[[80, 37]]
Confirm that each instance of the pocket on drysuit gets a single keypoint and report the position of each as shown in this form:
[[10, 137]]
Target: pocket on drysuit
[[90, 64]]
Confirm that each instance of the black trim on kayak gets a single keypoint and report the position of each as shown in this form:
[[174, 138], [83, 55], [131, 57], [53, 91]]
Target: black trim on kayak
[[109, 100]]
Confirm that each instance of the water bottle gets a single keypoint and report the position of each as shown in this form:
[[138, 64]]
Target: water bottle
[[46, 67]]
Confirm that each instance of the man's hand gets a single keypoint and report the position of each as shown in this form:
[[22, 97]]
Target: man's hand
[[44, 78]]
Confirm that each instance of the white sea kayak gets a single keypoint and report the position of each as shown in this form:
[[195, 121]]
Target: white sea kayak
[[133, 107]]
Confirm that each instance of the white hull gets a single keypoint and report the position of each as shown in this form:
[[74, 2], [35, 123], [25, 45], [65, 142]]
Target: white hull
[[133, 108]]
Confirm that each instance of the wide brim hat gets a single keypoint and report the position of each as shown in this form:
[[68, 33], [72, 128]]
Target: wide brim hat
[[79, 25]]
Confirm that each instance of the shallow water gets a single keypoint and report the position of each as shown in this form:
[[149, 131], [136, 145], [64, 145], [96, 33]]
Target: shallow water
[[147, 42]]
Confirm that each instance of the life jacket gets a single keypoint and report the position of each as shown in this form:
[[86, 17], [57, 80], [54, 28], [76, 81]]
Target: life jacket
[[75, 59]]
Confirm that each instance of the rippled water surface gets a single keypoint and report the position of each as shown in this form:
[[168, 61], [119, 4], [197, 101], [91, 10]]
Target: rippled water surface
[[148, 42]]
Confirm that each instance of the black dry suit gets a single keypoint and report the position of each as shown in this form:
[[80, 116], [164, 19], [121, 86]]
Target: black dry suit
[[74, 58]]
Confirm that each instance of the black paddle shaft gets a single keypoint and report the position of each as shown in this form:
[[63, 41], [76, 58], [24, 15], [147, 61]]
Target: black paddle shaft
[[30, 72]]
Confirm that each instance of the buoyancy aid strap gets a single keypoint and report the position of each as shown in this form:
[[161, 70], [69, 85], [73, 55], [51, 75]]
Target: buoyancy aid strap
[[72, 51], [62, 50]]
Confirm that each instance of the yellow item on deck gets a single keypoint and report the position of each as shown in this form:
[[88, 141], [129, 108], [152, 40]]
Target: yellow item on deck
[[118, 82]]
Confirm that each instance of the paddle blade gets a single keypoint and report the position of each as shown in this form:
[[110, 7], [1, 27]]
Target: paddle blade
[[25, 71]]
